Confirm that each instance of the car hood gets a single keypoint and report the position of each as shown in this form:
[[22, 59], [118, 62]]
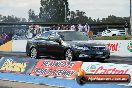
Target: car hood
[[84, 43]]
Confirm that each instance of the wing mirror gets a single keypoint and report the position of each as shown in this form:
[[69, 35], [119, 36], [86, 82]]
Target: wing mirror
[[58, 40], [55, 39]]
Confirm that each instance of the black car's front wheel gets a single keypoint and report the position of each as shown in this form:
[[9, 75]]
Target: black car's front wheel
[[33, 53], [101, 59], [69, 55]]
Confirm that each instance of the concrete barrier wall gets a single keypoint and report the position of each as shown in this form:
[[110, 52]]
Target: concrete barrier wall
[[19, 45], [122, 48]]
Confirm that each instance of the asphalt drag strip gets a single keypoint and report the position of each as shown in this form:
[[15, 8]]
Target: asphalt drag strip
[[12, 84]]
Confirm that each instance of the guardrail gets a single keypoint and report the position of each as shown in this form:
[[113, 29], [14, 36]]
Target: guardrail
[[122, 48]]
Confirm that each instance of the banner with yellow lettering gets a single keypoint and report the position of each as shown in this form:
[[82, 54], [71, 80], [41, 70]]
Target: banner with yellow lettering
[[17, 65]]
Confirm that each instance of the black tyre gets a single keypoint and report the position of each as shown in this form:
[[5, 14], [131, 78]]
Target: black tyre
[[101, 59], [114, 35], [69, 55], [107, 57], [34, 53], [81, 80]]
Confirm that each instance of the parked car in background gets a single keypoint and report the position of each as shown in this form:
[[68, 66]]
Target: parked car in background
[[66, 44], [113, 32], [19, 37]]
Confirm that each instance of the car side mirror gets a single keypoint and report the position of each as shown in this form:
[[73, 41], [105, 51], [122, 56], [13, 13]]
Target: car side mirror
[[58, 40], [55, 39]]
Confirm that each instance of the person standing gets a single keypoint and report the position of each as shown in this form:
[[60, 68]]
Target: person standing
[[126, 27], [80, 28], [87, 27], [72, 27], [1, 40]]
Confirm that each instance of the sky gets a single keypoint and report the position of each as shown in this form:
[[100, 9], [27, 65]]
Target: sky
[[93, 8]]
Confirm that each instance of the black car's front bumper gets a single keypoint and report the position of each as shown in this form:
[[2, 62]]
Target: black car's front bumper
[[92, 54]]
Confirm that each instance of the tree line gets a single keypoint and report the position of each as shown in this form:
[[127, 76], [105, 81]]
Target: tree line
[[11, 18], [57, 11]]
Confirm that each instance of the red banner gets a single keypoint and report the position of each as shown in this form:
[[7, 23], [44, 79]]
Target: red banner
[[63, 69]]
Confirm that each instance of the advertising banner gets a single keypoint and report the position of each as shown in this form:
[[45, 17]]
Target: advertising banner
[[17, 65], [105, 68], [122, 48], [54, 68]]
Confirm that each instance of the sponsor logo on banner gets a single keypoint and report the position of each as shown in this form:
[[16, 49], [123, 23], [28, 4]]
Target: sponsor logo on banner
[[105, 78], [106, 69], [10, 65], [129, 47], [104, 72], [114, 47], [62, 69], [17, 65]]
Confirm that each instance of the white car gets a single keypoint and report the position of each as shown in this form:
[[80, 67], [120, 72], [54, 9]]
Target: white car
[[113, 32]]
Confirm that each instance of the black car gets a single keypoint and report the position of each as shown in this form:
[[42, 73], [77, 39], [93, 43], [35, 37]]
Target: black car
[[66, 44]]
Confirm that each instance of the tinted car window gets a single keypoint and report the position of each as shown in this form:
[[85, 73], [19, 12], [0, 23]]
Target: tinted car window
[[43, 36], [73, 36]]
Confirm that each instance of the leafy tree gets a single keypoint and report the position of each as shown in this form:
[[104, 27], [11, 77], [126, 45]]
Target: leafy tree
[[114, 19], [23, 20], [78, 17], [90, 20], [53, 10], [32, 16], [0, 17], [11, 18]]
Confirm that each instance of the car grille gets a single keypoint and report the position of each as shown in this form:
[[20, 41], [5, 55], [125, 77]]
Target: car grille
[[97, 48]]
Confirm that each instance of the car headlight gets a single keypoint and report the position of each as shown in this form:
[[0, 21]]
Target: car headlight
[[106, 48], [81, 48]]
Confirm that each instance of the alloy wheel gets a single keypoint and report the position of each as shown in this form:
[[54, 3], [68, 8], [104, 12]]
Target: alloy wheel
[[33, 53], [69, 55]]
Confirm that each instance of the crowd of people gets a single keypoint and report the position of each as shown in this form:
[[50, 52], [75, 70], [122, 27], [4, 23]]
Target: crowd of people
[[4, 37], [78, 27], [35, 29]]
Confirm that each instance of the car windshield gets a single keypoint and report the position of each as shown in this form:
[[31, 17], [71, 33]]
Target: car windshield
[[73, 36]]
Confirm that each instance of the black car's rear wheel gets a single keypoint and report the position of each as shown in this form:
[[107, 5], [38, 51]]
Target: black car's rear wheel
[[34, 53], [69, 55]]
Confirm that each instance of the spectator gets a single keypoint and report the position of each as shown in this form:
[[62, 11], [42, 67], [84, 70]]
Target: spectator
[[80, 28], [59, 27], [87, 27], [1, 40], [76, 28], [126, 27], [62, 27], [10, 35], [73, 27], [53, 27], [67, 27], [5, 38]]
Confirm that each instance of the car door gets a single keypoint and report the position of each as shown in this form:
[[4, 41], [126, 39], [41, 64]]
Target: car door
[[55, 48], [42, 42]]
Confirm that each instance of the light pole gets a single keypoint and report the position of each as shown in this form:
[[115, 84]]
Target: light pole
[[130, 17], [130, 8], [65, 11]]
